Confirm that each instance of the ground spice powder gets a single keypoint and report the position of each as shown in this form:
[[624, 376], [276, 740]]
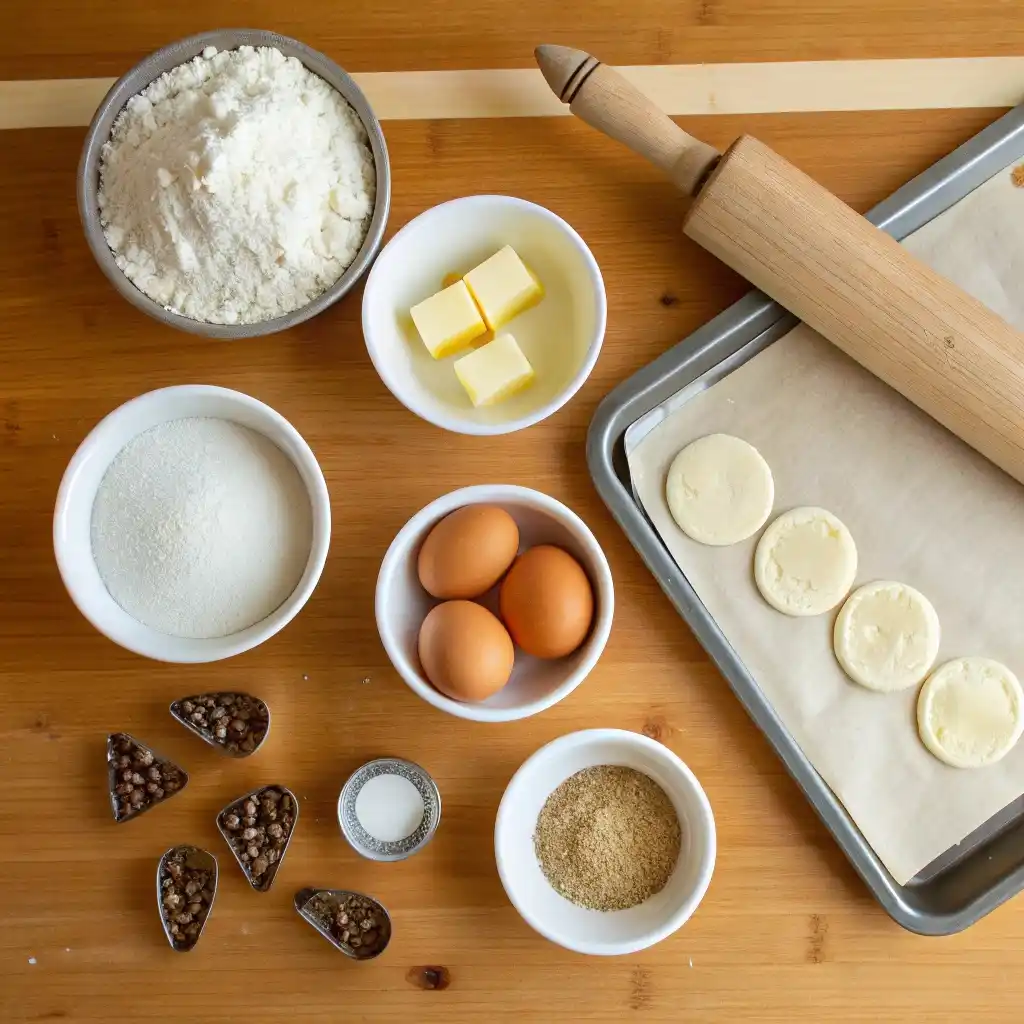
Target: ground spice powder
[[608, 838]]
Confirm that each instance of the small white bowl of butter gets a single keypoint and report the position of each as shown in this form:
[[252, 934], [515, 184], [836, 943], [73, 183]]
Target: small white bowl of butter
[[560, 336]]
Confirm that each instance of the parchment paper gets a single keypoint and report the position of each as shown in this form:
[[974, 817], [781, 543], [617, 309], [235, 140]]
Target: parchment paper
[[923, 508]]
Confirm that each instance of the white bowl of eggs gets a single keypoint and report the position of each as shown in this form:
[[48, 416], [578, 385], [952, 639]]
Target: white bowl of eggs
[[494, 602]]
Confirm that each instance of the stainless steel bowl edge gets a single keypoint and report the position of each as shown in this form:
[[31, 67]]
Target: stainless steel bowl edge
[[147, 71]]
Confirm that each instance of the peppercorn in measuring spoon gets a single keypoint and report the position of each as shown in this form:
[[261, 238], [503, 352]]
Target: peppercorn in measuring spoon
[[234, 723], [259, 827], [186, 886], [138, 778], [358, 925]]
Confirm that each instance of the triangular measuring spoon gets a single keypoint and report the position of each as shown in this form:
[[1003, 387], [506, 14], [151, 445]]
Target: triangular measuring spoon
[[258, 827], [139, 778]]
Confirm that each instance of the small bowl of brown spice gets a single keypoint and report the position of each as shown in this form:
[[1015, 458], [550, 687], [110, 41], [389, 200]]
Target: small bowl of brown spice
[[605, 842]]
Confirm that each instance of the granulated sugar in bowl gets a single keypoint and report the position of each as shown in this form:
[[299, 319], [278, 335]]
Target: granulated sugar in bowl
[[192, 524], [179, 516]]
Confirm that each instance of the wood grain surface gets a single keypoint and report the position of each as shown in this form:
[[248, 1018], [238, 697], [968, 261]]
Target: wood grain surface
[[787, 931], [71, 39]]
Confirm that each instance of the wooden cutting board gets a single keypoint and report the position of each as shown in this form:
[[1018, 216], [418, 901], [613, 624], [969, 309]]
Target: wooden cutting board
[[787, 931]]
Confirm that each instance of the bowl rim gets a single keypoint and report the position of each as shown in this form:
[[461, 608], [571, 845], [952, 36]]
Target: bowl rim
[[454, 423], [476, 494], [150, 68], [707, 853], [159, 646]]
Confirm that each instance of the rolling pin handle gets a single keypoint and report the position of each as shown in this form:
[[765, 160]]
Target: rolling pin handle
[[606, 101]]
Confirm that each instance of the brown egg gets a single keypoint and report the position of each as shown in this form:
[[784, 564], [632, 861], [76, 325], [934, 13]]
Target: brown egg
[[467, 552], [547, 602], [465, 651]]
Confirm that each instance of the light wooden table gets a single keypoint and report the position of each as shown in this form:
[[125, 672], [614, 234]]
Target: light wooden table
[[787, 931]]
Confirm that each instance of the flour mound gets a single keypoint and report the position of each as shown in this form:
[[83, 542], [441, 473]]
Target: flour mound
[[237, 187]]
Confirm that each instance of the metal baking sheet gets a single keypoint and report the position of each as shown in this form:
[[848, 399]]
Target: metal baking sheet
[[985, 869]]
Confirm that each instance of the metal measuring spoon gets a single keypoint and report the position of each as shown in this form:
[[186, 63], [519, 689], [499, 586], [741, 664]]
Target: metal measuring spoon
[[182, 861], [324, 908], [126, 754], [205, 726], [233, 821]]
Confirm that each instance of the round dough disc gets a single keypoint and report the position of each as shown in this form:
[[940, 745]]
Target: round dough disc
[[970, 712], [719, 490], [887, 636], [805, 562]]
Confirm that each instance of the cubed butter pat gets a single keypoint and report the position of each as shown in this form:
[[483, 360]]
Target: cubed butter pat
[[448, 321], [495, 371], [503, 287]]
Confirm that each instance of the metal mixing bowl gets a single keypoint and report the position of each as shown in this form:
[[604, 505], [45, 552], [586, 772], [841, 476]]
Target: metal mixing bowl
[[152, 68]]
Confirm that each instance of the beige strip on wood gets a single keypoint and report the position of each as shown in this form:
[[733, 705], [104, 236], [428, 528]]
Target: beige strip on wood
[[680, 89]]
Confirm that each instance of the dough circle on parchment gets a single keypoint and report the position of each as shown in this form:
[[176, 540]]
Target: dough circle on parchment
[[970, 712], [719, 490], [805, 562], [886, 636]]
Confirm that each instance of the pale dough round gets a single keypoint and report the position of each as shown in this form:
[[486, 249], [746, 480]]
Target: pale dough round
[[886, 636], [970, 712], [805, 562], [719, 490]]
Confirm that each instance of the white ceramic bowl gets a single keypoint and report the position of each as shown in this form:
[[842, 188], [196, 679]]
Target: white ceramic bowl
[[402, 604], [72, 519], [561, 336], [591, 931]]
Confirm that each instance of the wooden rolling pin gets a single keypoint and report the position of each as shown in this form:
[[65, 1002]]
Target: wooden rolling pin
[[935, 344]]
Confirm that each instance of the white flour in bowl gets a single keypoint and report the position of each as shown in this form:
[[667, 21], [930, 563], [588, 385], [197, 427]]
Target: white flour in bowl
[[237, 187], [201, 527]]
